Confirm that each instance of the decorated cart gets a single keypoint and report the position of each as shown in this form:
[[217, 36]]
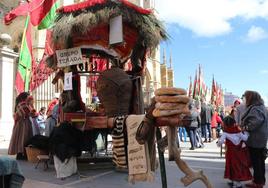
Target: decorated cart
[[93, 36], [109, 41]]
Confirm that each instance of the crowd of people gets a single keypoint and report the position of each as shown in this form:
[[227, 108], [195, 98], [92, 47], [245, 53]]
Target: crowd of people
[[243, 130], [205, 126], [29, 122]]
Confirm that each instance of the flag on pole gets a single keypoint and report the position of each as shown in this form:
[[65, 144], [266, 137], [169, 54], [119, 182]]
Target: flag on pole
[[206, 92], [26, 61], [195, 94], [42, 12], [21, 10], [201, 84], [199, 81], [190, 92], [39, 13], [213, 91]]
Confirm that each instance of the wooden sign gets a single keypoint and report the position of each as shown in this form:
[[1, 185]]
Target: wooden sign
[[137, 160], [67, 57]]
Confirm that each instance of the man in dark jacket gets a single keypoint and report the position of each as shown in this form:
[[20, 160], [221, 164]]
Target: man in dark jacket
[[206, 114], [191, 129]]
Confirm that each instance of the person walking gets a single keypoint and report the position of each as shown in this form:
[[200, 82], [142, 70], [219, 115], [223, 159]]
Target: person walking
[[255, 121], [215, 120], [206, 114], [33, 116], [191, 130], [236, 156], [182, 134], [52, 115], [22, 130]]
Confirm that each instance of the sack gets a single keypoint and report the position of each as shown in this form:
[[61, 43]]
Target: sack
[[114, 88]]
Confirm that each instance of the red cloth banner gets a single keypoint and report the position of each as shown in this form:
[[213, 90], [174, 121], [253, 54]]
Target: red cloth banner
[[40, 72]]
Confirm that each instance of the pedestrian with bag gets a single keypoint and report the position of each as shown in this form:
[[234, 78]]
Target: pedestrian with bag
[[255, 121]]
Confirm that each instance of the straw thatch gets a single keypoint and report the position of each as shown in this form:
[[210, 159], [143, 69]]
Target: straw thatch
[[80, 21], [149, 28]]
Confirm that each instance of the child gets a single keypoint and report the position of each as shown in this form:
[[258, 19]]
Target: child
[[41, 120], [236, 156]]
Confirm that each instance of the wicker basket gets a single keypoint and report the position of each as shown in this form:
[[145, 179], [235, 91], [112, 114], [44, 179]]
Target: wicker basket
[[114, 89], [32, 153]]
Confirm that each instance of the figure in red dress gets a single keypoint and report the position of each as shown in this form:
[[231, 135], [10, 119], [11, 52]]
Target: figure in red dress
[[236, 156]]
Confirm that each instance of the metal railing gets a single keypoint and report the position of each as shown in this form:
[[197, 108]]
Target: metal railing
[[44, 93]]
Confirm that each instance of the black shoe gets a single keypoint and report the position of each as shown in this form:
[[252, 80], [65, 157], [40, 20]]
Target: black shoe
[[191, 148], [205, 141], [21, 156], [209, 140], [231, 184]]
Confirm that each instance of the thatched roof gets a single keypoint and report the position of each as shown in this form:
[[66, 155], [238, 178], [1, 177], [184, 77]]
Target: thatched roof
[[80, 19]]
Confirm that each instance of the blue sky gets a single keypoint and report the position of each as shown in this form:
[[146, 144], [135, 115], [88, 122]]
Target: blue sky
[[229, 38]]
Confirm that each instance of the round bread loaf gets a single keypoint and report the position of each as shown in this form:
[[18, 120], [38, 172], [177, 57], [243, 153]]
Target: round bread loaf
[[172, 99], [169, 106], [168, 121], [170, 91], [163, 113]]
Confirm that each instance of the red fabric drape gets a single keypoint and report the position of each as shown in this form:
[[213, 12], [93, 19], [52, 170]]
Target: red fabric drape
[[100, 36], [91, 3], [97, 65], [38, 9], [40, 72], [79, 6]]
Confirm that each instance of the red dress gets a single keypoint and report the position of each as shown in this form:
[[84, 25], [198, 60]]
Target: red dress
[[237, 161]]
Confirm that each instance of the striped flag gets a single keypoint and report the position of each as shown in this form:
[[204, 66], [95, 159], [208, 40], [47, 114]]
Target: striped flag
[[42, 12], [190, 92], [39, 13], [213, 92], [25, 59], [201, 85], [199, 81], [195, 93]]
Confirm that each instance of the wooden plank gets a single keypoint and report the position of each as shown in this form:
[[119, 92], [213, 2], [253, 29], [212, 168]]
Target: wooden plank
[[92, 122]]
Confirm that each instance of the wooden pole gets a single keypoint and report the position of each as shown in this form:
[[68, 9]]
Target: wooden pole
[[161, 160]]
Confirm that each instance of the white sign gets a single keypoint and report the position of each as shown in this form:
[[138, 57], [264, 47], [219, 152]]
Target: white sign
[[67, 57], [116, 30], [68, 81]]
